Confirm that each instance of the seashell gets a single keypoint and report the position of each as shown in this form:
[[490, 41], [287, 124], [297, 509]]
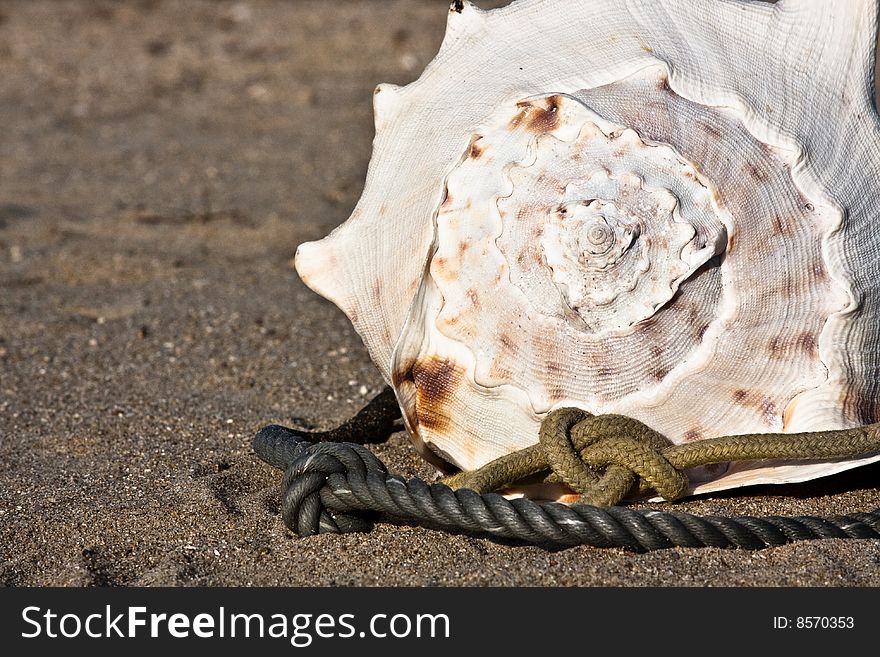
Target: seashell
[[657, 208]]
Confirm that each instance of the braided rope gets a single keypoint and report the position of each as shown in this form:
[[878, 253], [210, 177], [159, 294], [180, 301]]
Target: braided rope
[[603, 457], [328, 487]]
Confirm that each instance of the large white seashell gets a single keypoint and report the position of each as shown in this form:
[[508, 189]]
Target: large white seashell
[[660, 208]]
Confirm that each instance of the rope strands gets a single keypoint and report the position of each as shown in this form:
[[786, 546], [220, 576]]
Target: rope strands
[[576, 446], [339, 487]]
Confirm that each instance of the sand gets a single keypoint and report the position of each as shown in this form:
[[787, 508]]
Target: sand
[[160, 163]]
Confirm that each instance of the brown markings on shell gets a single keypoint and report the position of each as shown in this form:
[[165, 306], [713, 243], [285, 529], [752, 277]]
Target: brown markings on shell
[[452, 321], [693, 434], [525, 216], [711, 130], [499, 367], [557, 374], [538, 257], [557, 381], [731, 242], [507, 342], [808, 344], [647, 325], [778, 346], [522, 213], [519, 117], [535, 118], [604, 372], [771, 152], [476, 151], [861, 407], [443, 269], [779, 227], [657, 371], [500, 371], [403, 375], [769, 412], [758, 401], [434, 379], [554, 369], [402, 380], [758, 173], [552, 184]]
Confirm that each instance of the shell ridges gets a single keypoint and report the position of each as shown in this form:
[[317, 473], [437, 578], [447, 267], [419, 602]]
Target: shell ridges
[[664, 211]]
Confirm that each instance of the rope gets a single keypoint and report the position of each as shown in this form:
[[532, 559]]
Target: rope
[[338, 486], [576, 446]]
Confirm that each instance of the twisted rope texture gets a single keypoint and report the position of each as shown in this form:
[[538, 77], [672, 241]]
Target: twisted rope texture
[[336, 487]]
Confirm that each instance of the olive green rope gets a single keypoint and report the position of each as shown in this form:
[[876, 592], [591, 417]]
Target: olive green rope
[[605, 458]]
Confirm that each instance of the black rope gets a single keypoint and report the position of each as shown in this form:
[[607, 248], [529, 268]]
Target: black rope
[[338, 487]]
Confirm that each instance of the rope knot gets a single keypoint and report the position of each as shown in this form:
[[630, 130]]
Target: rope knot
[[313, 472], [329, 486], [603, 456]]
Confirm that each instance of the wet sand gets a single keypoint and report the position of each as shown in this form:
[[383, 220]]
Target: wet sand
[[161, 162]]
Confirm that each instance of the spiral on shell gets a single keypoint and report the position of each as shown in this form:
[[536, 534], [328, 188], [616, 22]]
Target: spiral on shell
[[597, 228], [593, 251], [653, 234]]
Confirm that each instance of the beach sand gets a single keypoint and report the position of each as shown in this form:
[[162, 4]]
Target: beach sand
[[160, 163]]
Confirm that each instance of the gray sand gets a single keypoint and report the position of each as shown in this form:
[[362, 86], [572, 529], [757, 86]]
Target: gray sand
[[161, 161]]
